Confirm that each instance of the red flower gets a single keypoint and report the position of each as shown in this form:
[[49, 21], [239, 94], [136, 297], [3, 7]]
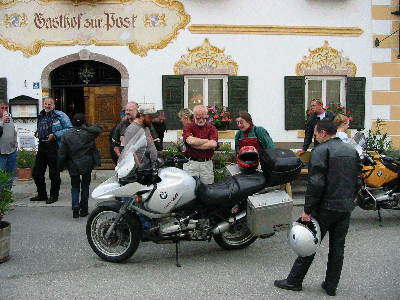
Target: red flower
[[351, 119], [216, 116]]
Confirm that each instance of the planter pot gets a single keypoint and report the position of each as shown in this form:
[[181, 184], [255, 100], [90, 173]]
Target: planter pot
[[24, 174], [5, 231]]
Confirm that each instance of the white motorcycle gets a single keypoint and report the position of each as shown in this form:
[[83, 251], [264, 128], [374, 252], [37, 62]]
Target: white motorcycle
[[166, 205]]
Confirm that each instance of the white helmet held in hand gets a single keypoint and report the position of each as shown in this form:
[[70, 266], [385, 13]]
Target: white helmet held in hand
[[304, 237]]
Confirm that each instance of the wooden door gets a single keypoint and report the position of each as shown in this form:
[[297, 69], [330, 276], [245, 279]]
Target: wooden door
[[103, 106]]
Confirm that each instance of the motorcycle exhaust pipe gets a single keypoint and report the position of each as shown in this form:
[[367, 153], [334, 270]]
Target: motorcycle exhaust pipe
[[224, 225]]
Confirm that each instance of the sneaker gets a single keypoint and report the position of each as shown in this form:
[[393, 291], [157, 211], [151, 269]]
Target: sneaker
[[75, 214], [83, 214], [38, 198], [52, 200]]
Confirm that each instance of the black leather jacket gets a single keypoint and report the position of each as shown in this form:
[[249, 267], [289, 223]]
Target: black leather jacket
[[309, 131], [334, 177], [78, 150]]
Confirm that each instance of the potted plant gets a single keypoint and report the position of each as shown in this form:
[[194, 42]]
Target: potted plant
[[6, 199], [219, 117], [25, 162]]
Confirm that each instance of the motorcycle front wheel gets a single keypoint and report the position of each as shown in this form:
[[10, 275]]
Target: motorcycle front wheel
[[123, 240], [238, 236]]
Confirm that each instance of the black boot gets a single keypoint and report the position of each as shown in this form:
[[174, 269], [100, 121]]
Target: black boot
[[283, 284], [75, 212], [329, 291]]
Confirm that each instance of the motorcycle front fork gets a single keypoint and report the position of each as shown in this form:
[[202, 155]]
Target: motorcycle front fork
[[122, 211]]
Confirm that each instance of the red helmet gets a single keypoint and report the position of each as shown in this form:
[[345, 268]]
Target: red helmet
[[248, 157]]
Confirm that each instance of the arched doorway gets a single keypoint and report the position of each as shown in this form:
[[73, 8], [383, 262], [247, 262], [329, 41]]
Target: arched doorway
[[89, 83]]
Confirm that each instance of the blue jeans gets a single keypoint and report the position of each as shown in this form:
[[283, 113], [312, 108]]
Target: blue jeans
[[83, 187], [145, 224], [8, 162]]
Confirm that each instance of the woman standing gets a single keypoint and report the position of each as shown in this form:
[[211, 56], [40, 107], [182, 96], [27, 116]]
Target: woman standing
[[342, 122], [186, 116], [250, 135], [78, 152]]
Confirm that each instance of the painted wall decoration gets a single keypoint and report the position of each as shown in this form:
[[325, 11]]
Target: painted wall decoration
[[141, 25], [326, 61], [206, 59]]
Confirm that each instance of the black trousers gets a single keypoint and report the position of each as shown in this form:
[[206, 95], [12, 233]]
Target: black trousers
[[47, 155], [337, 223]]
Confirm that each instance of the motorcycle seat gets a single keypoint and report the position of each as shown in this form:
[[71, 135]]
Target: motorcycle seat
[[231, 189]]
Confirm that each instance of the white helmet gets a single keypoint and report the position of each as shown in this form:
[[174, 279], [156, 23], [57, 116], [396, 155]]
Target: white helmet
[[304, 237]]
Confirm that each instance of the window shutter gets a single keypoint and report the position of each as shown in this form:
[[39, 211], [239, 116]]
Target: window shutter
[[355, 100], [3, 89], [294, 102], [238, 96], [172, 97]]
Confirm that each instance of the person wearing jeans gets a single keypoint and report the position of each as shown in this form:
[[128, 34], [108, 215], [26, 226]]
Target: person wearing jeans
[[79, 153], [8, 142]]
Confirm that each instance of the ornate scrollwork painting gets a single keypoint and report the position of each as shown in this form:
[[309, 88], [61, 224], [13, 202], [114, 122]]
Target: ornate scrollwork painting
[[142, 25], [326, 61], [206, 59]]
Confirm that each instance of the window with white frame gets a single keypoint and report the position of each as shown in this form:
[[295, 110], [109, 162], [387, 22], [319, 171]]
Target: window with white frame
[[210, 90], [330, 89]]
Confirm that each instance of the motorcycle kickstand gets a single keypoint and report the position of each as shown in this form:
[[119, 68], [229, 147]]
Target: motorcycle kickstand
[[177, 254], [379, 216]]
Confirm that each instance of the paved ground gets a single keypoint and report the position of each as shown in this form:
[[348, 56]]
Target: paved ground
[[51, 259]]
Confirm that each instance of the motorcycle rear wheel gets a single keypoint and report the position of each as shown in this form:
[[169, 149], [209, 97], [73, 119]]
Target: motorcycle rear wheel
[[237, 237], [123, 241]]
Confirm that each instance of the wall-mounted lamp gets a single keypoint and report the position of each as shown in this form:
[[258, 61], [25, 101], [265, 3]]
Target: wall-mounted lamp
[[377, 41]]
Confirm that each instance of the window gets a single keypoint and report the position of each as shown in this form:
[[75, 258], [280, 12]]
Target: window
[[299, 91], [206, 90], [330, 89], [230, 91]]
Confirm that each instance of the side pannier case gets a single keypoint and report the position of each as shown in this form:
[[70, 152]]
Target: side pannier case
[[280, 166]]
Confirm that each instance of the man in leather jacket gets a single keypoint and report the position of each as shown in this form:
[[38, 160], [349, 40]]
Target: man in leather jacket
[[319, 113], [334, 180]]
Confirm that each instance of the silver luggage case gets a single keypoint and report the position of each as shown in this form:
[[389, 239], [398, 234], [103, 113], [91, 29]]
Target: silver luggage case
[[269, 212]]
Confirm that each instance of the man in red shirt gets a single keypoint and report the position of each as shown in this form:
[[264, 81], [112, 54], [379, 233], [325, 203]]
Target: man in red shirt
[[201, 138]]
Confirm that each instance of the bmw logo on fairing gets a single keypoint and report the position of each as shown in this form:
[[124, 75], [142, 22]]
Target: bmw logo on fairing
[[163, 195], [379, 174]]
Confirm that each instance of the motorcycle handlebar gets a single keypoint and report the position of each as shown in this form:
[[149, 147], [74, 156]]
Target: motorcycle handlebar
[[172, 161]]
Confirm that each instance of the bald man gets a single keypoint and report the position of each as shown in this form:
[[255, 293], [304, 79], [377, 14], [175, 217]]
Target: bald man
[[131, 111], [201, 138]]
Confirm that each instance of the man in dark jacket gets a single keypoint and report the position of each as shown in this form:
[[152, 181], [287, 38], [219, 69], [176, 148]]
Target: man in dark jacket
[[334, 179], [79, 153], [51, 125], [319, 113]]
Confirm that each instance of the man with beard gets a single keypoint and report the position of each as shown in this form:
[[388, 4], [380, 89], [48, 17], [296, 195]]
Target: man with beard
[[144, 120], [201, 138], [118, 141], [51, 125]]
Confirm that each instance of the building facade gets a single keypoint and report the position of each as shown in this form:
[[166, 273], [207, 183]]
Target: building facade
[[267, 57]]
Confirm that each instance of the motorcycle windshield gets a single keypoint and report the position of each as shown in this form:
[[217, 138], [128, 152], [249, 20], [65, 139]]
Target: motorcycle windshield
[[359, 142], [132, 154]]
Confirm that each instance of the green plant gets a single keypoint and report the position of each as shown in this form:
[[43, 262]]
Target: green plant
[[218, 116], [378, 141], [221, 161], [6, 197], [26, 158]]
